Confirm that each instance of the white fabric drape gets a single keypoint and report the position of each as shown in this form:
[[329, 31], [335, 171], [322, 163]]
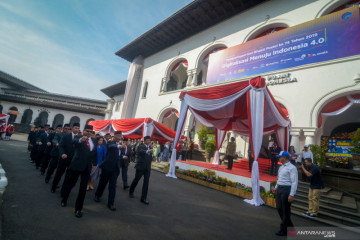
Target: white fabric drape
[[276, 114], [280, 137], [257, 128], [148, 129], [162, 134], [220, 136], [131, 87], [133, 130], [179, 130]]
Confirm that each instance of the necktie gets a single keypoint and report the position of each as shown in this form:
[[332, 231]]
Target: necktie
[[88, 144]]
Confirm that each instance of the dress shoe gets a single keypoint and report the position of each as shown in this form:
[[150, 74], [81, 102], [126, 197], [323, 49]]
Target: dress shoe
[[63, 204], [78, 214], [144, 201], [111, 207], [280, 233], [126, 187], [96, 199], [131, 195]]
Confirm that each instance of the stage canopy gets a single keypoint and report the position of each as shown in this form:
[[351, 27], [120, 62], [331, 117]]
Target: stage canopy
[[246, 108], [135, 128], [4, 117]]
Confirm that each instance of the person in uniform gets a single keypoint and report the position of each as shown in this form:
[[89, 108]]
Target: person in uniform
[[124, 162], [285, 188], [230, 152], [85, 157], [274, 150], [110, 170], [143, 168], [66, 153]]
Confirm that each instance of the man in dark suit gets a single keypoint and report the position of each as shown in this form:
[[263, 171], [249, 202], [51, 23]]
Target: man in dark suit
[[47, 138], [54, 154], [66, 153], [40, 148], [110, 170], [85, 156], [143, 168], [32, 143], [274, 150], [125, 161]]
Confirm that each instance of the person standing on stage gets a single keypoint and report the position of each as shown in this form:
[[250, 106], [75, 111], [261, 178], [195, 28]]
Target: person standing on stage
[[66, 153], [54, 154], [143, 168], [274, 151], [230, 152], [110, 170], [285, 188], [84, 158]]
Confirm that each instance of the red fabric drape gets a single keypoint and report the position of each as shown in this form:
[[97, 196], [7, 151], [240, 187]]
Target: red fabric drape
[[335, 105], [126, 125], [100, 124]]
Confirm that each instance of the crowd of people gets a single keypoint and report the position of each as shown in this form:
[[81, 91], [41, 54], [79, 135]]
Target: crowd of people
[[91, 157], [8, 130]]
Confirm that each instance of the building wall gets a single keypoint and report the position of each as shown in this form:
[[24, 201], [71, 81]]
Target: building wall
[[51, 111], [316, 85]]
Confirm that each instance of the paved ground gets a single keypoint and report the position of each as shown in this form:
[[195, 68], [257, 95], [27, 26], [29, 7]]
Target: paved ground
[[178, 210]]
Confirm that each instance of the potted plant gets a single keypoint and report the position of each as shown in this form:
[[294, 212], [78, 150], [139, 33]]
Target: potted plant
[[318, 154], [210, 148], [202, 136], [355, 140]]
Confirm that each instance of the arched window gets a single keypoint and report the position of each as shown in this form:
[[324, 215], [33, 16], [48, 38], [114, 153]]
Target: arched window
[[201, 78], [73, 120], [183, 85], [42, 119], [171, 85], [58, 120], [346, 5], [145, 89], [13, 112], [90, 119], [27, 117]]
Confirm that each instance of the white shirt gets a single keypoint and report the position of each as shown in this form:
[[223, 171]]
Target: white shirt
[[307, 154], [288, 176]]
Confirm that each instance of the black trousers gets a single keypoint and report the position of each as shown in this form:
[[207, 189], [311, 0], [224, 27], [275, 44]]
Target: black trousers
[[284, 207], [145, 187], [38, 158], [124, 176], [183, 155], [230, 161], [63, 164], [274, 167], [73, 177], [189, 154], [105, 178], [44, 162], [33, 153], [251, 160], [54, 161]]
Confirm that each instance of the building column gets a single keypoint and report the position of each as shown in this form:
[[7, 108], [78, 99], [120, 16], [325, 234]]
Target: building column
[[109, 108], [194, 78], [295, 133], [190, 74], [163, 85], [309, 135]]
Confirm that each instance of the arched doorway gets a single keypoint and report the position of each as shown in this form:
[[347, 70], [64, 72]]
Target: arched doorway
[[73, 120], [27, 117], [42, 119], [13, 112], [169, 118], [58, 120]]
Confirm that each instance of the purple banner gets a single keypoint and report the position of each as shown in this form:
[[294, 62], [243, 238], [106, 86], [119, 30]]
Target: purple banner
[[329, 37]]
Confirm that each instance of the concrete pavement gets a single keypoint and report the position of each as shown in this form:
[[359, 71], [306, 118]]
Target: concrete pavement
[[178, 209]]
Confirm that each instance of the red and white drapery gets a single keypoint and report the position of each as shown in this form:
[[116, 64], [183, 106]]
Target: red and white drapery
[[183, 63], [135, 128], [4, 117], [247, 108], [338, 106], [170, 113]]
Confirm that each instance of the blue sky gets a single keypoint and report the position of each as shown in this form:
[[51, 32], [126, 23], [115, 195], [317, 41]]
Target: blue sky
[[68, 46]]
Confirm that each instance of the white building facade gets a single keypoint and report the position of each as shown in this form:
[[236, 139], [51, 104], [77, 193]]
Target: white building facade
[[304, 90]]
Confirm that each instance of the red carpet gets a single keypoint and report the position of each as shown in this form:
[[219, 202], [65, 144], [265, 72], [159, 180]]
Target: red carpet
[[239, 170]]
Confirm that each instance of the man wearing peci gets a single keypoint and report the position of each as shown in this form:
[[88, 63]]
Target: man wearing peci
[[110, 170], [124, 162], [66, 153], [85, 156], [143, 168]]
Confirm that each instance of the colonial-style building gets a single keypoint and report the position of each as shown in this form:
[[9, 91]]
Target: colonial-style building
[[29, 105]]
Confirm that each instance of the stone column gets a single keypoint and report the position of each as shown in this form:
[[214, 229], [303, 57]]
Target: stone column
[[190, 74], [309, 136], [109, 108], [163, 85], [194, 78], [295, 133]]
